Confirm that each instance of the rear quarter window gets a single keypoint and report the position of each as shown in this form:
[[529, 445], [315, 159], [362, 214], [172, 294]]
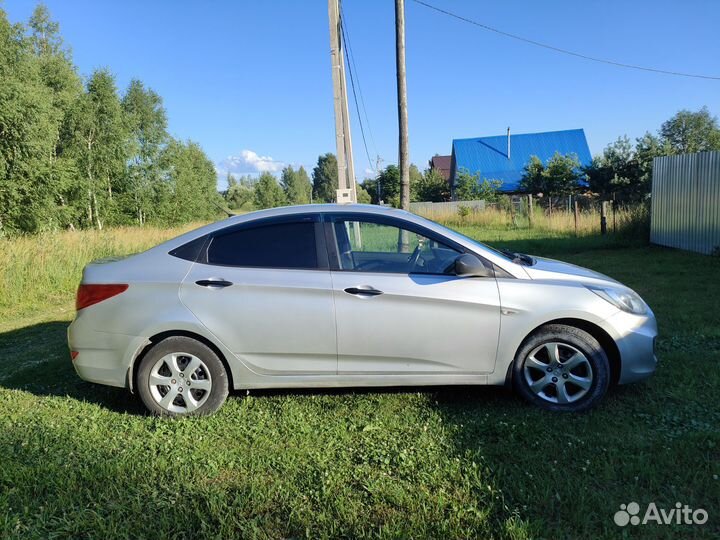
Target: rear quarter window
[[190, 251]]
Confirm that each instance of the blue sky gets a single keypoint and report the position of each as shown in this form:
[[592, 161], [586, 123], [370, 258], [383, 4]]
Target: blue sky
[[251, 80]]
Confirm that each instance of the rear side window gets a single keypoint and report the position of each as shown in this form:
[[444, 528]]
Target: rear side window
[[282, 245]]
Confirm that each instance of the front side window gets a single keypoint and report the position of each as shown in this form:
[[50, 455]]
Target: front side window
[[365, 246], [282, 245]]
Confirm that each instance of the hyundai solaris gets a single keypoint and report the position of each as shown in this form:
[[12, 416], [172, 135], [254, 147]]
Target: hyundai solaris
[[352, 296]]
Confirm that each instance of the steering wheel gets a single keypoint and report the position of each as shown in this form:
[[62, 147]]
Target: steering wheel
[[412, 261]]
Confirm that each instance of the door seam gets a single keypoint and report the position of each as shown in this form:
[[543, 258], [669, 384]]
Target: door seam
[[335, 321]]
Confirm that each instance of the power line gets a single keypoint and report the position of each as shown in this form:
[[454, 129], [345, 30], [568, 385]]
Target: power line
[[351, 56], [350, 64], [563, 51], [355, 98]]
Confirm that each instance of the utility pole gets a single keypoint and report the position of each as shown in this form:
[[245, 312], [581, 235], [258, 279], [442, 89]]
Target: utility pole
[[378, 171], [404, 154], [346, 192], [378, 163]]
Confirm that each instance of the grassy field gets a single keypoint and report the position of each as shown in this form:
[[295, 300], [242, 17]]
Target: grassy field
[[626, 221], [84, 461], [41, 272]]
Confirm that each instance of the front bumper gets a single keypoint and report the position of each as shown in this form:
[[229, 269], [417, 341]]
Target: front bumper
[[635, 338], [102, 357]]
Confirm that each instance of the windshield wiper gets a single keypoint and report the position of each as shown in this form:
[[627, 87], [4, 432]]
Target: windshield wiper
[[518, 258]]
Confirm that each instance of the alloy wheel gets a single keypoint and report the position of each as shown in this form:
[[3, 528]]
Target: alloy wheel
[[180, 382], [558, 372]]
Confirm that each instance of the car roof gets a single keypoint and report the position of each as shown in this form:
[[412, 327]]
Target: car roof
[[321, 208]]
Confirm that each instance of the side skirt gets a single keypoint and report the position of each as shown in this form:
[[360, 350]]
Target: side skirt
[[349, 381]]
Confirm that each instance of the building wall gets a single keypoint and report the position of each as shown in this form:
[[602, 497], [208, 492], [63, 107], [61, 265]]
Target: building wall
[[685, 210]]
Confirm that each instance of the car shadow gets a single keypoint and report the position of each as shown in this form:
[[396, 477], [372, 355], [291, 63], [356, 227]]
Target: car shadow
[[36, 360], [440, 394]]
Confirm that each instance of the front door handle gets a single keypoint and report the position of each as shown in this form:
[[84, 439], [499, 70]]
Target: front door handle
[[214, 283], [363, 291]]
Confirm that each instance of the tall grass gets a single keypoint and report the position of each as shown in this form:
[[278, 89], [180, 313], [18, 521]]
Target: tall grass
[[38, 272], [626, 221]]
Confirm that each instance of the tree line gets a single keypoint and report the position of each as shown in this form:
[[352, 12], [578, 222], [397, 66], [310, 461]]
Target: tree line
[[297, 187], [75, 153], [292, 187]]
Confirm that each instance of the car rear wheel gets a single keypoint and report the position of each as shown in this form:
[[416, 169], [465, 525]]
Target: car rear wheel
[[182, 377], [561, 368]]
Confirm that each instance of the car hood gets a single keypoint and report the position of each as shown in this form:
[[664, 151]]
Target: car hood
[[552, 269]]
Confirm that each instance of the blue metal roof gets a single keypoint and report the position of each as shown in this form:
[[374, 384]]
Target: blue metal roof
[[488, 155]]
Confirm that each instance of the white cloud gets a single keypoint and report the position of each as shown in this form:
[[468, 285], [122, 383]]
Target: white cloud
[[248, 162]]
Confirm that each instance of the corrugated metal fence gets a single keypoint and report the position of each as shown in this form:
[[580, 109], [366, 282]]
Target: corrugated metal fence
[[686, 202]]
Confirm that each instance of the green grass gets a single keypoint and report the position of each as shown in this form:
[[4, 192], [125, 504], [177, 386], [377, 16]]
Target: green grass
[[84, 461]]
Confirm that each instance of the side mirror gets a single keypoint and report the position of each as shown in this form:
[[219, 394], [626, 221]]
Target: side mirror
[[468, 265]]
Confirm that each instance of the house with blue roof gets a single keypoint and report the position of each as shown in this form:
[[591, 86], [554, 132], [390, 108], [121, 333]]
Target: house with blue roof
[[503, 157]]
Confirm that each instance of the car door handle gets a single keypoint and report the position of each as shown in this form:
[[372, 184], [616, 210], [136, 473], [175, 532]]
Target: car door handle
[[219, 283], [363, 291]]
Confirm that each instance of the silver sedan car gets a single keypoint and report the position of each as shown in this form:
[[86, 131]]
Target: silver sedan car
[[352, 295]]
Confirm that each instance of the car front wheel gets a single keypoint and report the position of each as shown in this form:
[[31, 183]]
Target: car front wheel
[[561, 368], [181, 377]]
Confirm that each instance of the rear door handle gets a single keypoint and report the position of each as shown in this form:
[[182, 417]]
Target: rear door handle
[[214, 283], [363, 291]]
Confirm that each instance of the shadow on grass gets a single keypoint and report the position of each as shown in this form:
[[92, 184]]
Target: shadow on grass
[[481, 394], [36, 359]]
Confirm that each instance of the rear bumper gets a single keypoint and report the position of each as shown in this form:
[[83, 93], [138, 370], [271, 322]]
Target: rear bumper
[[103, 357], [635, 338]]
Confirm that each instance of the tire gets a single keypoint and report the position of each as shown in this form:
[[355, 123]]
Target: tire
[[549, 372], [182, 377]]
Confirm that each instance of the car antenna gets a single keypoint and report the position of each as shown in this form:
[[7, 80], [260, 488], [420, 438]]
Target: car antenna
[[223, 210]]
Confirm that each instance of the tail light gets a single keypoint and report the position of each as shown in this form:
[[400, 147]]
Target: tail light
[[89, 294]]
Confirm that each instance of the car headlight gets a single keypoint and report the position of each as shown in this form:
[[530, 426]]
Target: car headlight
[[624, 299]]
